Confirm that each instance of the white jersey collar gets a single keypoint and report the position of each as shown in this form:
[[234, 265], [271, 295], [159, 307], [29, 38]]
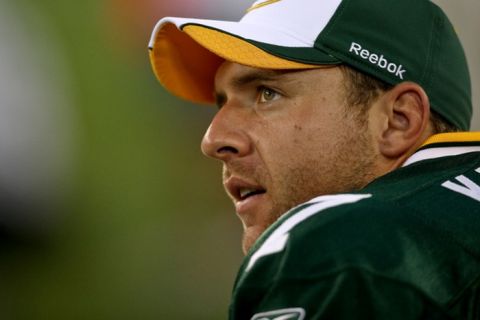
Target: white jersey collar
[[446, 144]]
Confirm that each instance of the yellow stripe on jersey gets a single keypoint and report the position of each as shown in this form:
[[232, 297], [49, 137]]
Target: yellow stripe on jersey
[[453, 137]]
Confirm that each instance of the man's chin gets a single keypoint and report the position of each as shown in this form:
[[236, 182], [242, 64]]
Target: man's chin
[[250, 236], [252, 232]]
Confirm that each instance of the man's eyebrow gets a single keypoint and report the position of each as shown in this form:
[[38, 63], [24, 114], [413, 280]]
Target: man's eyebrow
[[249, 77], [257, 75]]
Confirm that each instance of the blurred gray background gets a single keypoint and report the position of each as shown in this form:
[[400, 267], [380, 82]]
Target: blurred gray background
[[108, 210], [464, 15]]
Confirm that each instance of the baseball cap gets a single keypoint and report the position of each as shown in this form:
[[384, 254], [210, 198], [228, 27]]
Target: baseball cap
[[391, 40]]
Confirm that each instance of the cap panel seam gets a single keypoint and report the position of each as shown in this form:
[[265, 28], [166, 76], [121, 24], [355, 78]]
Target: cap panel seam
[[321, 46], [344, 57], [426, 77], [333, 21]]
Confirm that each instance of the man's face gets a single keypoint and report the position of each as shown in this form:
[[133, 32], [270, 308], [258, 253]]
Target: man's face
[[284, 137]]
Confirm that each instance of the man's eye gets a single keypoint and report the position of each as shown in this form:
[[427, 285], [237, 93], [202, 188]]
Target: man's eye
[[267, 94]]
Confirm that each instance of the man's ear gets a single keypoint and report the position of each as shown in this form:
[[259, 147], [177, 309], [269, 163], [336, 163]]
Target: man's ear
[[407, 110]]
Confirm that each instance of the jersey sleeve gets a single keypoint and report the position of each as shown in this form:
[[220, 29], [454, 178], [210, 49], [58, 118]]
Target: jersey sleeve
[[348, 294]]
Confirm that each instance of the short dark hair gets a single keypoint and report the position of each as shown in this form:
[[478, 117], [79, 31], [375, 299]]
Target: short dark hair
[[361, 90]]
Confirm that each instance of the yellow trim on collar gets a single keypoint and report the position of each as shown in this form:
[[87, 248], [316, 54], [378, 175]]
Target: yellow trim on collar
[[263, 4], [453, 137]]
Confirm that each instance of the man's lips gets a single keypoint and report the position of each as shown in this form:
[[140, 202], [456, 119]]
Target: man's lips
[[241, 190]]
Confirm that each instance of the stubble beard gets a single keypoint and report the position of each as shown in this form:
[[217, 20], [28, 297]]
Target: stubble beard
[[352, 164]]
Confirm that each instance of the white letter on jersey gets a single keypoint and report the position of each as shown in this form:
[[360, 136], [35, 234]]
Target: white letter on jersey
[[467, 187], [278, 239]]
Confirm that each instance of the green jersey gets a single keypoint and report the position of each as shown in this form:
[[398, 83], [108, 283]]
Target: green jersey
[[407, 246]]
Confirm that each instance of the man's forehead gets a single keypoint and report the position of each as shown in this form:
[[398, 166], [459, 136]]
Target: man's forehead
[[235, 75]]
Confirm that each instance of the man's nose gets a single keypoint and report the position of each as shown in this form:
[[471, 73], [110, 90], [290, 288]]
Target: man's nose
[[226, 138]]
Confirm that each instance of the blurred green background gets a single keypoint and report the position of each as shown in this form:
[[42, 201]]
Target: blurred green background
[[108, 210]]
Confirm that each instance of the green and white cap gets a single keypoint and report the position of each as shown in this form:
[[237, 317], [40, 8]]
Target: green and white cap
[[391, 40]]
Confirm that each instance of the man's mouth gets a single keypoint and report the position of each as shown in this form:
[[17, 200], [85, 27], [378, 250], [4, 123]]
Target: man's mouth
[[249, 197], [245, 193], [241, 190]]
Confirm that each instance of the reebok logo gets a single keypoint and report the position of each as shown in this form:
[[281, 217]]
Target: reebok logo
[[378, 60], [282, 314]]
